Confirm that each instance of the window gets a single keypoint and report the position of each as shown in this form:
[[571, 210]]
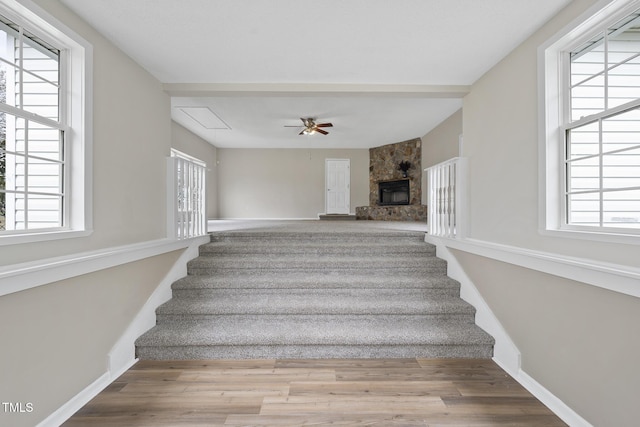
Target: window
[[44, 127], [31, 132], [602, 154], [591, 129]]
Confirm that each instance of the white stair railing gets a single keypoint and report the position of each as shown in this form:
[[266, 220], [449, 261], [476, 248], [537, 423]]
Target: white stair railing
[[445, 195], [186, 213]]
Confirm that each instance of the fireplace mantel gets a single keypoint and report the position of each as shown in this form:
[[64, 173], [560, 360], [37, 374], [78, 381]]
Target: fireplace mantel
[[384, 164]]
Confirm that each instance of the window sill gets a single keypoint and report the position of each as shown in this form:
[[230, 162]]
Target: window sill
[[16, 239]]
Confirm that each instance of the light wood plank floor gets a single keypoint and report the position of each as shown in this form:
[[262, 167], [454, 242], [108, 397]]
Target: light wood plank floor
[[381, 392]]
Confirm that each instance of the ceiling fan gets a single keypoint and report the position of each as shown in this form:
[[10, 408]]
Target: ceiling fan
[[311, 127]]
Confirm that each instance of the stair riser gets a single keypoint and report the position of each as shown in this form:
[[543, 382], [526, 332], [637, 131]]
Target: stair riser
[[314, 352]]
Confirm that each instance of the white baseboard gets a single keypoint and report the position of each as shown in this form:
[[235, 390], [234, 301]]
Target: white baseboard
[[78, 401], [564, 412], [72, 406]]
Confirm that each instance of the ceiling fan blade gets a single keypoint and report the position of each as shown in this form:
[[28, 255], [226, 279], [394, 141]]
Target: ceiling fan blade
[[324, 132], [302, 133], [324, 125]]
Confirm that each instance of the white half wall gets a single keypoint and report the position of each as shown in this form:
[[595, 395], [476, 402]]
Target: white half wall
[[189, 143]]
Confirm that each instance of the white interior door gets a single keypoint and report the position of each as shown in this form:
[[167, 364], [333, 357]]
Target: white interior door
[[338, 183]]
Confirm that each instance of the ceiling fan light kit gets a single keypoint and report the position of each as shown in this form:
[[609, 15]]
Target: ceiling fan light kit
[[311, 127]]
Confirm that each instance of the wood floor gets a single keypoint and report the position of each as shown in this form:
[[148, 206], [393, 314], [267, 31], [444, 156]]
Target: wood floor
[[381, 392]]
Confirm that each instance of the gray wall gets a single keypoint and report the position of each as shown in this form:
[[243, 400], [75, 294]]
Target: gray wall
[[283, 183], [579, 341], [441, 143]]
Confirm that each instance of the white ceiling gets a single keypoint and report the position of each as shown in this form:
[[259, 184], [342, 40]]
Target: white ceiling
[[381, 71]]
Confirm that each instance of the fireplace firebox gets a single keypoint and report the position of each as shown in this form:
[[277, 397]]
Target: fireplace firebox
[[392, 193]]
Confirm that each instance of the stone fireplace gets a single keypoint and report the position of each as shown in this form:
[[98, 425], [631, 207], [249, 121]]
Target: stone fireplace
[[394, 194]]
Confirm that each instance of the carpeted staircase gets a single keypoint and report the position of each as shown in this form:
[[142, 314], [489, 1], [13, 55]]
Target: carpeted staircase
[[305, 294]]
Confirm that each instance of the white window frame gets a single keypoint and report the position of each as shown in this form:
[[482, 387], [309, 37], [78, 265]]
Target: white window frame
[[553, 88], [76, 62]]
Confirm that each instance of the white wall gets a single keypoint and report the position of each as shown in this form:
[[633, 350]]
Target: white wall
[[575, 339], [189, 143], [56, 337], [283, 183]]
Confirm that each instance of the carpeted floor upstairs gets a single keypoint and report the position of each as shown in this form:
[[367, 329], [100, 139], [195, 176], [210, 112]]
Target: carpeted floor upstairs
[[308, 293]]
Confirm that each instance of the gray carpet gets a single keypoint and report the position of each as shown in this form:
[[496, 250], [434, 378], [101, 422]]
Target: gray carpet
[[315, 289]]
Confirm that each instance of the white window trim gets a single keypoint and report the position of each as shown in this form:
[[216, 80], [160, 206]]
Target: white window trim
[[77, 60], [551, 84]]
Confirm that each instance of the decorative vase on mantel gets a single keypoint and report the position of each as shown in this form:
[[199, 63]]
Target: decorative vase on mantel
[[404, 167]]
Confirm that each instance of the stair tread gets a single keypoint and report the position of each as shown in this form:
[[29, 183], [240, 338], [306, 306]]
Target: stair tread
[[378, 244], [327, 262], [261, 330], [311, 234], [302, 257], [327, 303], [296, 293]]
